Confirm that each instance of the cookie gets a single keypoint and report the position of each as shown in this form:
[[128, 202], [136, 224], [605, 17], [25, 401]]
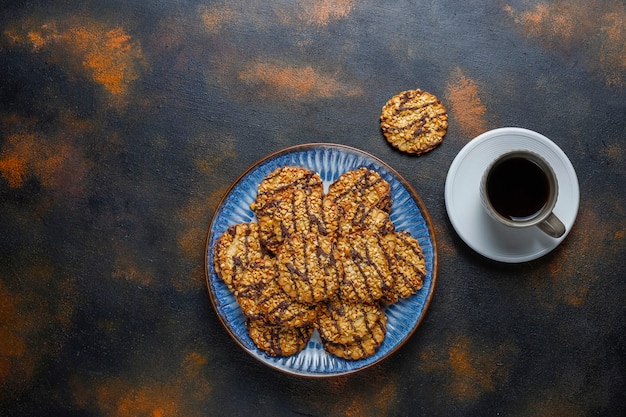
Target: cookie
[[235, 249], [370, 219], [366, 267], [414, 121], [261, 297], [289, 200], [254, 283], [308, 268], [345, 323], [407, 265], [350, 200], [279, 309], [278, 340], [360, 349]]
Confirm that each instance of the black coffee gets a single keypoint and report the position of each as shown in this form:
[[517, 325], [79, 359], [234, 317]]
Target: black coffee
[[517, 188]]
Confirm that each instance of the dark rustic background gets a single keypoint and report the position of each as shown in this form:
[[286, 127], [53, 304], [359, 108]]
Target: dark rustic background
[[122, 123]]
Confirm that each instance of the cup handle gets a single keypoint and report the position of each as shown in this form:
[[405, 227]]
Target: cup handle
[[552, 226]]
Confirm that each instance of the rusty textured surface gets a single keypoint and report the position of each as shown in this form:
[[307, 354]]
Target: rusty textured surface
[[122, 123]]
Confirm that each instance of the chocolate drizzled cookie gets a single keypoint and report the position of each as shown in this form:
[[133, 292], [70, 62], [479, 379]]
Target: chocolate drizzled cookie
[[414, 121], [308, 268], [289, 200], [359, 349], [366, 267], [407, 265], [342, 322], [261, 297], [358, 200], [235, 249], [278, 340]]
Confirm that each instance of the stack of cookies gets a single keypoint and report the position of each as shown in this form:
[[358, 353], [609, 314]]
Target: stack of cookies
[[319, 261]]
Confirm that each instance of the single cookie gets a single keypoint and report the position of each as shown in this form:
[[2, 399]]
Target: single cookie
[[366, 267], [370, 219], [360, 349], [279, 309], [289, 200], [261, 297], [278, 340], [308, 268], [407, 265], [254, 283], [350, 200], [414, 121], [345, 323], [235, 249]]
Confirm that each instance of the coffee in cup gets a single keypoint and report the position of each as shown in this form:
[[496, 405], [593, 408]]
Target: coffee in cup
[[520, 189]]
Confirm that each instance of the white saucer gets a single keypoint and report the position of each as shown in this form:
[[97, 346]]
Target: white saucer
[[473, 224]]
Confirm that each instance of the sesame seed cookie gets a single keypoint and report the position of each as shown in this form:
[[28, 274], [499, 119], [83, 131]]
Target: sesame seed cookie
[[253, 283], [235, 249], [280, 309], [278, 340], [308, 268], [359, 349], [344, 322], [289, 200], [371, 219], [366, 267], [350, 199], [408, 266], [261, 297], [414, 121]]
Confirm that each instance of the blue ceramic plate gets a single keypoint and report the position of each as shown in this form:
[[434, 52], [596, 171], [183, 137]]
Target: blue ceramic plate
[[407, 213]]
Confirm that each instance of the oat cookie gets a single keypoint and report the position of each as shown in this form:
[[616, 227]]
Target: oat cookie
[[345, 323], [370, 219], [278, 340], [414, 121], [235, 249], [366, 267], [289, 200], [254, 283], [360, 349], [350, 199], [279, 309], [308, 268], [261, 297], [407, 265]]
